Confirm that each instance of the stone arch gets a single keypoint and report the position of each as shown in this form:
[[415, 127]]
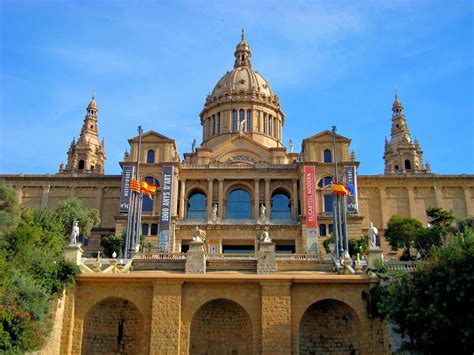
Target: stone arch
[[113, 325], [221, 326], [281, 212], [241, 185], [229, 154], [199, 210], [329, 326]]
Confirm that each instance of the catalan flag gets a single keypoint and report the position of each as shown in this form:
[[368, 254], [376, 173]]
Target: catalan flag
[[340, 189], [134, 185]]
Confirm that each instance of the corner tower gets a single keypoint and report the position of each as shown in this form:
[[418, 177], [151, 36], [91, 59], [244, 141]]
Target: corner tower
[[401, 154], [87, 155], [242, 100]]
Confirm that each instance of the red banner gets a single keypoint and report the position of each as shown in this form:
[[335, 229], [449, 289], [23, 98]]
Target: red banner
[[310, 196]]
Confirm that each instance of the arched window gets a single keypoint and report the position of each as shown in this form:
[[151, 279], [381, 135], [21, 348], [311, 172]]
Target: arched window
[[218, 122], [150, 156], [196, 206], [234, 121], [327, 156], [239, 205], [249, 121], [270, 128], [241, 117], [265, 123], [407, 164], [147, 204], [81, 165], [327, 180], [281, 206], [214, 125]]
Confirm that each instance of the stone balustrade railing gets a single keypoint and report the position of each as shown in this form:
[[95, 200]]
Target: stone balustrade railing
[[409, 266], [238, 257], [161, 256]]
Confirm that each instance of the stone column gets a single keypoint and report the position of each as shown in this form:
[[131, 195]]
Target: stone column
[[268, 201], [45, 196], [19, 194], [221, 199], [437, 193], [383, 198], [294, 205], [266, 263], [181, 199], [196, 259], [411, 202], [166, 317], [256, 204], [209, 198], [467, 200], [276, 317]]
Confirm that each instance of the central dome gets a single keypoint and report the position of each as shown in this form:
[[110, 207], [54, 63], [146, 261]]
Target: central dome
[[242, 94]]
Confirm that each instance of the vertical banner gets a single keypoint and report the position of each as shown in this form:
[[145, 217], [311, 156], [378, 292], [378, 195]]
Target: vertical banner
[[165, 210], [350, 176], [125, 192], [311, 212]]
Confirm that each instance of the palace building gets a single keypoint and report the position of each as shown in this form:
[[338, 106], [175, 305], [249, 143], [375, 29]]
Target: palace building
[[238, 180]]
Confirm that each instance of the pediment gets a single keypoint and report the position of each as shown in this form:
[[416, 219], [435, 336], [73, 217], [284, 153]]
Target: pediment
[[241, 150], [326, 136], [151, 136]]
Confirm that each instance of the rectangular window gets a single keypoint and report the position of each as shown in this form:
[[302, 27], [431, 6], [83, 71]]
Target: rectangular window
[[328, 203], [83, 241], [265, 123], [270, 128], [214, 125], [330, 228], [234, 121], [144, 229], [249, 121], [154, 229], [322, 230], [218, 122]]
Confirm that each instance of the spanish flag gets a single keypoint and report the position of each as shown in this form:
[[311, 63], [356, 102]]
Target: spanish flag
[[340, 189], [148, 188], [134, 185]]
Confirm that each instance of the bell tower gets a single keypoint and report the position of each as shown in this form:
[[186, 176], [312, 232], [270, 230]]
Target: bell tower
[[402, 155], [87, 155]]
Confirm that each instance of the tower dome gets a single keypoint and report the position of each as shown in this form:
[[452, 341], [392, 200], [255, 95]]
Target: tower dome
[[242, 94]]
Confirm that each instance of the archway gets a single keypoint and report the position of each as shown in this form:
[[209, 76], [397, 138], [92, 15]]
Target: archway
[[329, 327], [114, 325], [221, 327]]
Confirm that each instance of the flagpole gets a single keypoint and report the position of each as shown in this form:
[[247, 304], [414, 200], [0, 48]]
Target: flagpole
[[137, 178], [129, 226], [336, 212]]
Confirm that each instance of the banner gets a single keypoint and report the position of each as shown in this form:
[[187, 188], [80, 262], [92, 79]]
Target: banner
[[350, 177], [165, 210], [127, 174], [311, 212]]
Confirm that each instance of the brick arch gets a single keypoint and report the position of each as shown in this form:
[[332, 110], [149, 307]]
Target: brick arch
[[329, 326], [113, 324], [221, 326]]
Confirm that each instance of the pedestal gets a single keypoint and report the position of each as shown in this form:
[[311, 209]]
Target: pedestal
[[196, 259], [373, 254], [266, 263], [73, 252]]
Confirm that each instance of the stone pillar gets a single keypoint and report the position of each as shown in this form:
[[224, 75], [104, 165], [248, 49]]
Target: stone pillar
[[19, 194], [256, 204], [383, 199], [437, 193], [294, 205], [276, 317], [221, 199], [372, 256], [196, 259], [209, 198], [268, 201], [411, 202], [73, 253], [45, 196], [266, 263], [467, 200], [166, 317], [181, 199]]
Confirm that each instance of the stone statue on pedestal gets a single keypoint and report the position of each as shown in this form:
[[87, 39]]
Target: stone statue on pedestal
[[264, 236], [74, 233], [242, 126], [199, 235], [214, 211], [373, 231], [263, 211]]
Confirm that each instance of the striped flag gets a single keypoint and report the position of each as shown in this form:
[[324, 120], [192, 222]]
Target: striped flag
[[134, 185], [148, 188], [340, 189]]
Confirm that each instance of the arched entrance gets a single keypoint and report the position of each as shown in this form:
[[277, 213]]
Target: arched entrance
[[113, 325], [221, 327], [329, 327]]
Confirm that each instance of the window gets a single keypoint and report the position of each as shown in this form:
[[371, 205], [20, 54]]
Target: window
[[328, 203], [196, 206], [145, 229], [81, 165], [150, 156], [83, 241], [147, 203], [92, 167], [407, 164], [327, 156], [218, 122], [330, 228], [234, 121], [239, 205], [270, 128], [265, 123], [241, 117], [281, 206], [214, 125], [154, 229], [322, 230], [325, 182], [249, 121]]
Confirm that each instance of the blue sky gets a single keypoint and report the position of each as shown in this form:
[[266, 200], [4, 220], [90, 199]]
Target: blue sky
[[153, 63]]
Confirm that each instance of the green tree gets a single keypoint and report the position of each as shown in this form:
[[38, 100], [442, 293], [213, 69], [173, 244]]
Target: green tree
[[441, 225], [358, 246], [434, 306], [72, 210], [401, 233], [113, 243]]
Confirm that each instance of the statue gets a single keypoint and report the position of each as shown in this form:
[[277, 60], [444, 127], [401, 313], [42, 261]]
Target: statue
[[242, 126], [214, 211], [372, 236], [74, 233], [193, 145], [264, 236], [291, 146], [263, 211], [199, 235]]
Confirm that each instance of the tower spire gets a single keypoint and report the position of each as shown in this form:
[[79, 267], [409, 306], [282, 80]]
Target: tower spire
[[242, 53]]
